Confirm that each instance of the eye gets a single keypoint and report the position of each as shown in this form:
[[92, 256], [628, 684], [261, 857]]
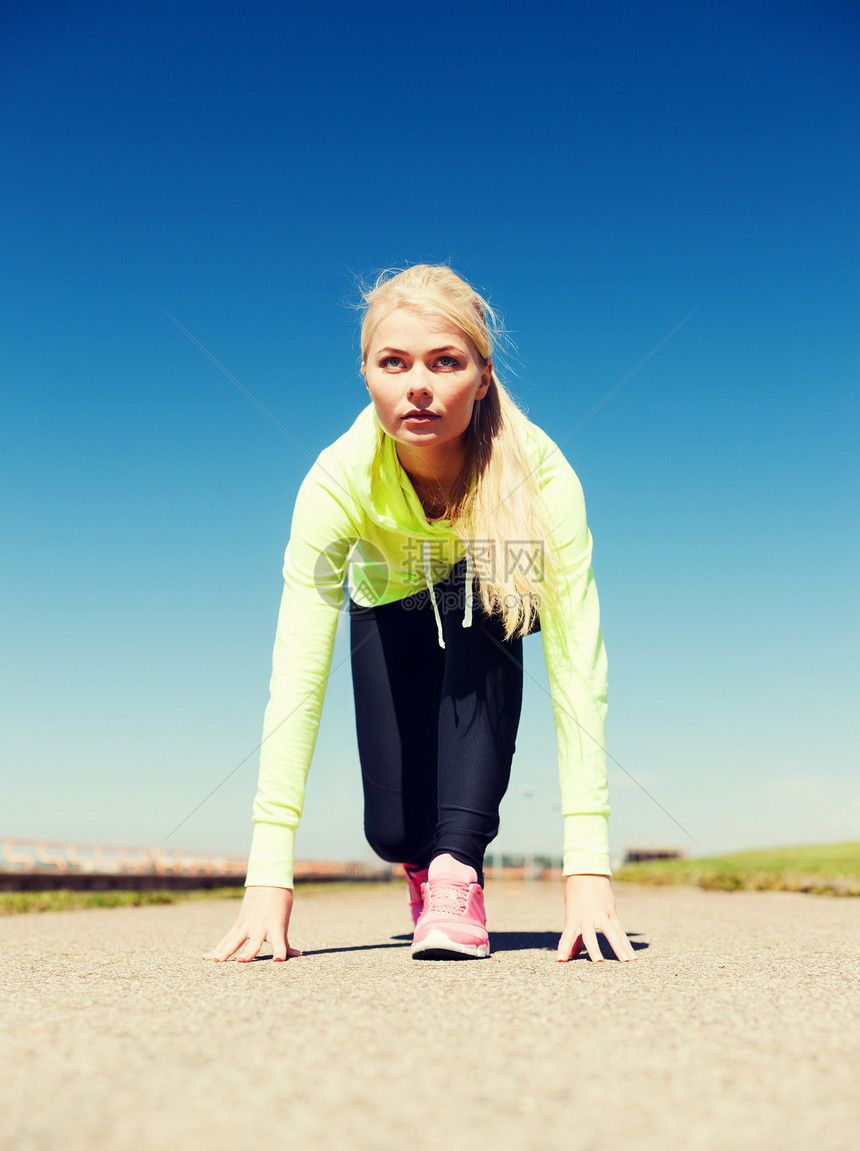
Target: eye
[[448, 362], [391, 362]]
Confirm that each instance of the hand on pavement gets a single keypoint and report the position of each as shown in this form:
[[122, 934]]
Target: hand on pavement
[[264, 917], [589, 907]]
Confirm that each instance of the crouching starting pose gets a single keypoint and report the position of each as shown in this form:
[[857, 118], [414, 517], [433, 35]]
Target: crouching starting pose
[[463, 529]]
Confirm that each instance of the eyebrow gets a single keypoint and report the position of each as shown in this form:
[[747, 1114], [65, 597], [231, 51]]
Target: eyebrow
[[432, 352]]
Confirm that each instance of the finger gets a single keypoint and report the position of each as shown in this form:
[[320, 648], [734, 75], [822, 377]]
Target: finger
[[617, 938], [565, 946], [619, 943], [287, 953], [215, 953], [249, 954], [231, 943], [589, 938], [280, 948], [569, 945]]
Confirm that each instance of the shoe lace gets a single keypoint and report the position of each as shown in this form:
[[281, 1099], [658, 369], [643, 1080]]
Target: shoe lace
[[448, 898]]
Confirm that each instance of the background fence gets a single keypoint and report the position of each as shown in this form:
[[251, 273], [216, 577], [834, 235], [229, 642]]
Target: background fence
[[44, 865]]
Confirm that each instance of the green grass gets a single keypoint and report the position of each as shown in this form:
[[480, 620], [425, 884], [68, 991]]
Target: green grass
[[21, 902], [833, 869], [16, 902]]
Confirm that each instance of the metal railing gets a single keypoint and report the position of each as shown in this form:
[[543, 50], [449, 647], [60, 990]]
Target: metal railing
[[43, 863]]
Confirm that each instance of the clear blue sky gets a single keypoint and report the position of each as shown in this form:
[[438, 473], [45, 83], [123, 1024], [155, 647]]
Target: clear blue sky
[[600, 171]]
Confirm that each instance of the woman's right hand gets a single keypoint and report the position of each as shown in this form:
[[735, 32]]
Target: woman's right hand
[[264, 917]]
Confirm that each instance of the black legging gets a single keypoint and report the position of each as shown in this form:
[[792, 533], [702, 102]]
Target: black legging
[[436, 727]]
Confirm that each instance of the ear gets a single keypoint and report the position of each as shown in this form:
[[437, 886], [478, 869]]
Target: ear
[[486, 379]]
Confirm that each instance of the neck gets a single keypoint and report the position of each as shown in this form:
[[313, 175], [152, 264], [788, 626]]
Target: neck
[[434, 472], [439, 465]]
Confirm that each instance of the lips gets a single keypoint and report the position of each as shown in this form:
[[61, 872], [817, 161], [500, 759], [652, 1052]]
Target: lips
[[416, 414]]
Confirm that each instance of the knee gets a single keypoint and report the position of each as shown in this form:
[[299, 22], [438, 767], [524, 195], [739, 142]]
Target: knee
[[395, 846]]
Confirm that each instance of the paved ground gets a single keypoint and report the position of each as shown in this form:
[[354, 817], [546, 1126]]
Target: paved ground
[[739, 1028]]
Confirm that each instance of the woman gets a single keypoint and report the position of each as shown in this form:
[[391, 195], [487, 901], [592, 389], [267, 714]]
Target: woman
[[463, 529]]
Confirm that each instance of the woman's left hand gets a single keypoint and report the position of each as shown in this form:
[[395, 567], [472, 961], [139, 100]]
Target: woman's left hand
[[589, 907]]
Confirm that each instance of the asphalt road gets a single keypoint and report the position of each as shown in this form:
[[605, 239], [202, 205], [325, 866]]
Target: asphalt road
[[738, 1028]]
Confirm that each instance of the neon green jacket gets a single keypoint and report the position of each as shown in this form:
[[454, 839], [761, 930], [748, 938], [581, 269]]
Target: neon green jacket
[[357, 510]]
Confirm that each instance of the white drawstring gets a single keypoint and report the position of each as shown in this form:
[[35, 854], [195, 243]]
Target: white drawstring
[[467, 617], [428, 576]]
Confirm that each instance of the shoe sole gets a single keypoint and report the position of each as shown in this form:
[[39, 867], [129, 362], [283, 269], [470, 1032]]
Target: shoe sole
[[437, 945]]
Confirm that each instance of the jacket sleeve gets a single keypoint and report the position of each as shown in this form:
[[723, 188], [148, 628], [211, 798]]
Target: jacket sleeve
[[322, 533], [576, 669]]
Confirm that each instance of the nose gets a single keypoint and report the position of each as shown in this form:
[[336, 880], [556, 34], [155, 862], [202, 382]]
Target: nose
[[420, 382]]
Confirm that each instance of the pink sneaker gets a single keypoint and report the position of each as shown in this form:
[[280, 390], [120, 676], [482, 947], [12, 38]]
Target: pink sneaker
[[453, 924], [416, 877]]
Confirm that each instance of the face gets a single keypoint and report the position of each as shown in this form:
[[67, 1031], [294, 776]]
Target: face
[[424, 376]]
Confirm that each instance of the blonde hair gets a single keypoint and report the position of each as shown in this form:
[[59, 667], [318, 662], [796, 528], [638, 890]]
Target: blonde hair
[[495, 506]]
